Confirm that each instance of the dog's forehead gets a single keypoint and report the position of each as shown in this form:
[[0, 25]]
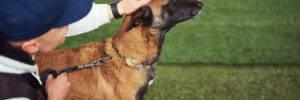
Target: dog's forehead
[[156, 6]]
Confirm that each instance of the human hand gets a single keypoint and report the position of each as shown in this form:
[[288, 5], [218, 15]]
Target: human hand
[[126, 7], [57, 88]]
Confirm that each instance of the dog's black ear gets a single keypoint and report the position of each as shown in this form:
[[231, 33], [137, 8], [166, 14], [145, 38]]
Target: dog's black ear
[[142, 16]]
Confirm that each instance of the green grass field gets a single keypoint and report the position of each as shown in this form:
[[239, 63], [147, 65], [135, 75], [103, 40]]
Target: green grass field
[[235, 50], [227, 31], [225, 82]]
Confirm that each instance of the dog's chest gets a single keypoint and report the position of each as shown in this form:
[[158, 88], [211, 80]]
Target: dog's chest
[[151, 74], [151, 71]]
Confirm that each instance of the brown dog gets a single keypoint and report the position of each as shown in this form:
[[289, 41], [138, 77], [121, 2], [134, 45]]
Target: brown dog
[[136, 47]]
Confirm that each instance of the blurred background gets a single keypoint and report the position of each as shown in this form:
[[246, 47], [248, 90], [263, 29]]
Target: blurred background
[[234, 50]]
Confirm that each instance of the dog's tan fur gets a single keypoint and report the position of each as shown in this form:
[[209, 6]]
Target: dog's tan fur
[[116, 80], [120, 79]]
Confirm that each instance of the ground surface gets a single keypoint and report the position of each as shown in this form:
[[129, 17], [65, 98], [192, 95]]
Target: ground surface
[[225, 82]]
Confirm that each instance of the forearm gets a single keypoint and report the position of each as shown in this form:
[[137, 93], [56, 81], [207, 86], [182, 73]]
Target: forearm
[[120, 9], [110, 15], [99, 15]]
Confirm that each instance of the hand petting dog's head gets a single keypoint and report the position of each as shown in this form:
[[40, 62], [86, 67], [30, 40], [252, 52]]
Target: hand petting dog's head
[[164, 14]]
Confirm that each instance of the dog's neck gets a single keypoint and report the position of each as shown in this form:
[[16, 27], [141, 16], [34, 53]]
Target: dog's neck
[[139, 46]]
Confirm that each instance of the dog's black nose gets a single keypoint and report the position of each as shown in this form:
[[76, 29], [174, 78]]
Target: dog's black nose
[[199, 4]]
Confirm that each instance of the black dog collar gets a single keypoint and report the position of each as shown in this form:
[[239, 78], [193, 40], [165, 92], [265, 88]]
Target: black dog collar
[[114, 9]]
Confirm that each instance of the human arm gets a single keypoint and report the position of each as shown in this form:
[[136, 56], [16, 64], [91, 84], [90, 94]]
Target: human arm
[[101, 14]]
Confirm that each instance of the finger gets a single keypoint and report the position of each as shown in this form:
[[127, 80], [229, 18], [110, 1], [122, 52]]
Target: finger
[[68, 84], [50, 77], [63, 74], [144, 2]]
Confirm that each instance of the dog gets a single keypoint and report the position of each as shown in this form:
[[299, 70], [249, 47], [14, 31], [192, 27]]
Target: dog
[[133, 52]]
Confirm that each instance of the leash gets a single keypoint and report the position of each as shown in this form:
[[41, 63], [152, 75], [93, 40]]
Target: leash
[[44, 75]]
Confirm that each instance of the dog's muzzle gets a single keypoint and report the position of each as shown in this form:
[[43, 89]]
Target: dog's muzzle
[[198, 6]]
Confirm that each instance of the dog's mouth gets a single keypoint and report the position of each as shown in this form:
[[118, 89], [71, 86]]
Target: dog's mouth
[[183, 15], [177, 12], [188, 12], [196, 11]]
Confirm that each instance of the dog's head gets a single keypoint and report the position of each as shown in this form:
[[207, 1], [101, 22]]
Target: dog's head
[[142, 33], [162, 15]]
